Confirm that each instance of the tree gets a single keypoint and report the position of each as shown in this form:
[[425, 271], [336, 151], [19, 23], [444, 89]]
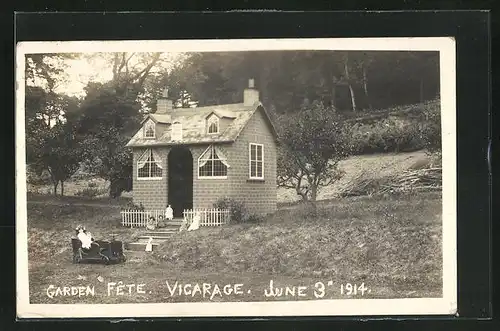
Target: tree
[[107, 122], [57, 150], [314, 140]]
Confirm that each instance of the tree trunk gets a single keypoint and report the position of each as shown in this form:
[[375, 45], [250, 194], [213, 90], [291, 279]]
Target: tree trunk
[[62, 188], [348, 79], [314, 192], [56, 184], [353, 99], [365, 88], [314, 195]]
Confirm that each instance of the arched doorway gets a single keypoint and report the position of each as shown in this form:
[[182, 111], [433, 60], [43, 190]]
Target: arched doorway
[[180, 180]]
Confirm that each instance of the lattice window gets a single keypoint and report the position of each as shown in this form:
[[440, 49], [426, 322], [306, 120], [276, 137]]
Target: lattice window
[[213, 124], [212, 163], [149, 129], [256, 161], [149, 166]]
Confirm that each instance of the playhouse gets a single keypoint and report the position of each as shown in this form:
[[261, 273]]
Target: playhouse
[[190, 157]]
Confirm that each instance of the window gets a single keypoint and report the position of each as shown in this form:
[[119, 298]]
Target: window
[[149, 166], [149, 129], [213, 124], [212, 164], [256, 159], [176, 131]]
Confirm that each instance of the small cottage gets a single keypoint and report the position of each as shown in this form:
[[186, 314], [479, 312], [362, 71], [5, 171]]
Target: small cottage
[[190, 157]]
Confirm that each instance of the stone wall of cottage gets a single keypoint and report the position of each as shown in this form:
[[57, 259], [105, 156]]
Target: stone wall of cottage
[[260, 196]]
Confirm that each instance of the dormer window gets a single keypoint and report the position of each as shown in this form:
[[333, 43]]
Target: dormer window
[[149, 129], [213, 124]]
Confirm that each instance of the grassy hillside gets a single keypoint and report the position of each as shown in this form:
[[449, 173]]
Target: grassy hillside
[[392, 245]]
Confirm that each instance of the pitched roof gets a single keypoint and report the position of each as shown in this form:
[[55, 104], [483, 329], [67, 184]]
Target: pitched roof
[[193, 122]]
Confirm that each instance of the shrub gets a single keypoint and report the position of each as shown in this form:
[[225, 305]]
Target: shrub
[[388, 135], [132, 206], [92, 184], [430, 129], [90, 192], [238, 210]]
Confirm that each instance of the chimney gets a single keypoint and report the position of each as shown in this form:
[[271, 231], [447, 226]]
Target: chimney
[[164, 104], [250, 94]]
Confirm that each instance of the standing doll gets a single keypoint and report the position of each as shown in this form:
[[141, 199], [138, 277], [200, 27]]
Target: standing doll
[[169, 213]]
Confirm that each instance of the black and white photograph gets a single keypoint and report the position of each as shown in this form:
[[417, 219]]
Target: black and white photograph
[[195, 178]]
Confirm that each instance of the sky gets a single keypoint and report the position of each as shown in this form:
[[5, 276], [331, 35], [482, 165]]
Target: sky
[[80, 72], [94, 68]]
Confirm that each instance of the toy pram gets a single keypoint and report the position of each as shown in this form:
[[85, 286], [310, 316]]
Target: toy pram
[[100, 251]]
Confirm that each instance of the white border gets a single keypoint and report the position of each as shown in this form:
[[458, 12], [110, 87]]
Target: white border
[[445, 305]]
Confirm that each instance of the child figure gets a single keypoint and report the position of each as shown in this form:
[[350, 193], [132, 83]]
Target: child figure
[[151, 223], [161, 221], [195, 225], [169, 213]]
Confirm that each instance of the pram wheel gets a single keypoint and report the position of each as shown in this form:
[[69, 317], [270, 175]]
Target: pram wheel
[[105, 259]]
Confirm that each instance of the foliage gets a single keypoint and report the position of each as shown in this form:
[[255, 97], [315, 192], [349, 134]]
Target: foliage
[[313, 140], [89, 192], [341, 80], [47, 70], [238, 210], [52, 144], [407, 129], [107, 122], [430, 127], [384, 136]]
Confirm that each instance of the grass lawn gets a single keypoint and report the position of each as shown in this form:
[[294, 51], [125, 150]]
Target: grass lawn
[[392, 245]]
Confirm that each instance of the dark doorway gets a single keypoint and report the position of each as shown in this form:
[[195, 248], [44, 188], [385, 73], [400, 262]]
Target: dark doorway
[[180, 180]]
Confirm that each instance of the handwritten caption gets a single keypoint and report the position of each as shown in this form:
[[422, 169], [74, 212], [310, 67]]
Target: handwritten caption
[[317, 290]]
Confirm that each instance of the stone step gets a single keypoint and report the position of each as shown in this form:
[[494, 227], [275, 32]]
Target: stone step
[[145, 240], [139, 246], [155, 238], [160, 233]]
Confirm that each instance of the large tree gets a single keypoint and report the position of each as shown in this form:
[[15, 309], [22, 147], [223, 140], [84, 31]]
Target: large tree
[[111, 113]]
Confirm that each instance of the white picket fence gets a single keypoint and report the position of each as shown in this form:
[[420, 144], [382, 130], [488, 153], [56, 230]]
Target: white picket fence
[[135, 218], [208, 217]]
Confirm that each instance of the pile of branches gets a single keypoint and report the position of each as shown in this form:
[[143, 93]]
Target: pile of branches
[[418, 180]]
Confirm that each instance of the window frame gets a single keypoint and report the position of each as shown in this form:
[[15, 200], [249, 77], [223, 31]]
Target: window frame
[[213, 119], [250, 161], [147, 125], [210, 177], [150, 150]]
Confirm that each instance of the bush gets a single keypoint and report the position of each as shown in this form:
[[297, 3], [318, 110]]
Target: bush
[[385, 136], [132, 206], [238, 210], [90, 192], [419, 129], [91, 184], [430, 129]]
